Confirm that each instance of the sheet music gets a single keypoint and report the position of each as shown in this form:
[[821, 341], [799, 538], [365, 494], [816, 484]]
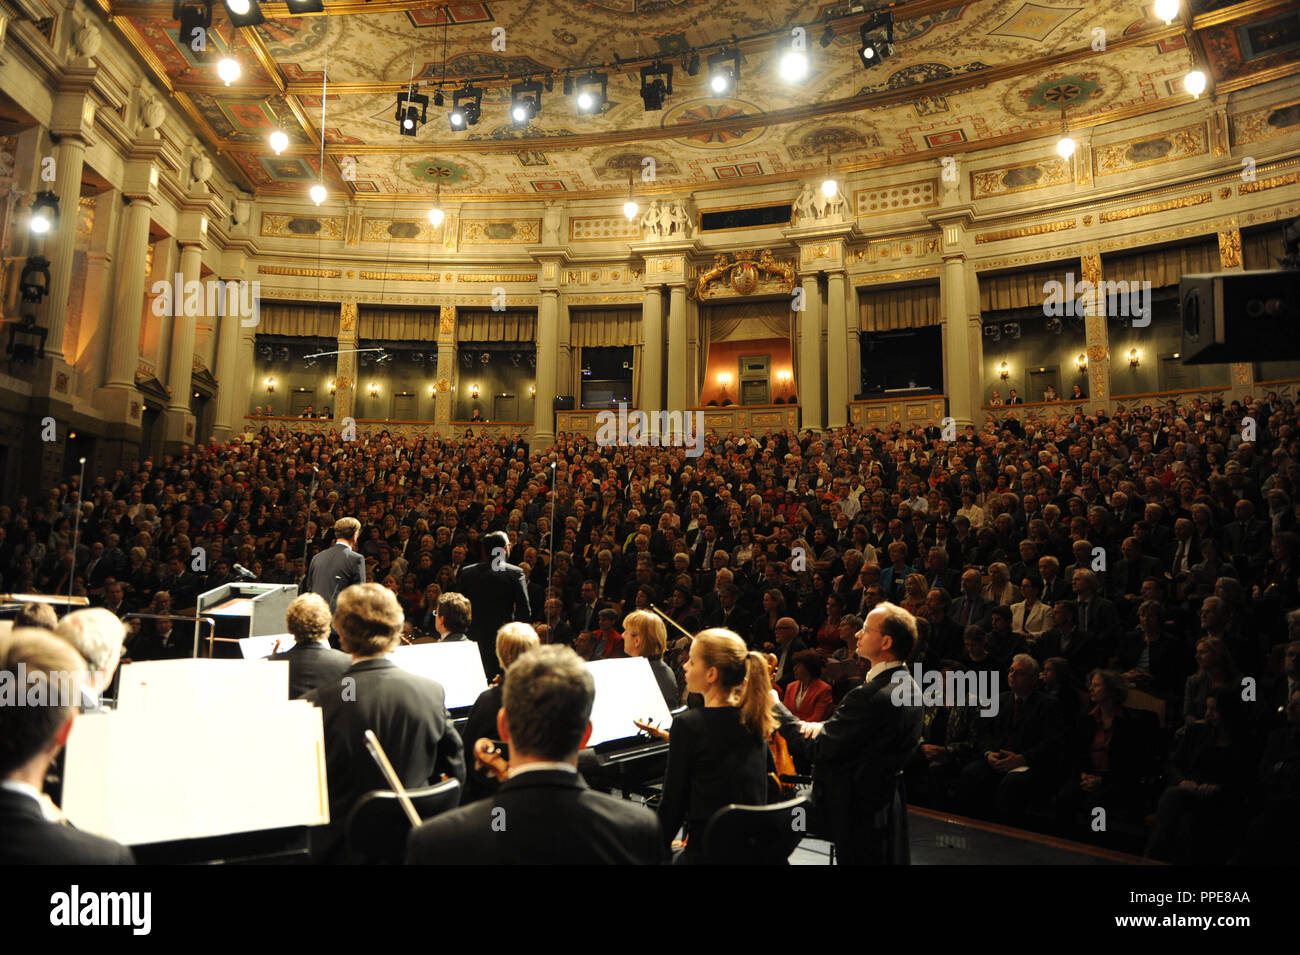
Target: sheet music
[[139, 779], [169, 687], [457, 666], [626, 690], [259, 648]]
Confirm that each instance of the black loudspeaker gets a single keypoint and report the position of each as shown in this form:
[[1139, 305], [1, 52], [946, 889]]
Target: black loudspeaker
[[1239, 316], [564, 402]]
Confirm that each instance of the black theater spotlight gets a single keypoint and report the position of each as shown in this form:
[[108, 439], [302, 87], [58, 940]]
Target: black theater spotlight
[[45, 213], [34, 282], [724, 71], [592, 92], [525, 102], [412, 111], [656, 83], [243, 13], [466, 107], [877, 40]]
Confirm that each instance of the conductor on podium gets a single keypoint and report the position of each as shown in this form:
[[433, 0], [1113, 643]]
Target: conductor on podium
[[497, 594], [859, 753], [338, 567]]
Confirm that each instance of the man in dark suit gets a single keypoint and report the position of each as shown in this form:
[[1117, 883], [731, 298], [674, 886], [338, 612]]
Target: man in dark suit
[[586, 612], [971, 609], [786, 646], [543, 813], [729, 614], [338, 567], [31, 830], [1020, 748], [858, 755], [407, 712], [1097, 616], [498, 595], [312, 662]]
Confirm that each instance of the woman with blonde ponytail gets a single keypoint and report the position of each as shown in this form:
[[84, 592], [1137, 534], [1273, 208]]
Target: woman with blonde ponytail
[[717, 753]]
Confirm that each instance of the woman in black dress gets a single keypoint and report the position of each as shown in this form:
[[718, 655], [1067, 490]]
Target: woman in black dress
[[717, 753]]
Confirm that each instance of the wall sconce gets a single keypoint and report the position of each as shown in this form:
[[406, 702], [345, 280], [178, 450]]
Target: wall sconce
[[270, 385], [332, 386], [1134, 357], [1004, 370], [431, 390], [532, 390], [374, 391], [724, 380], [473, 391], [1082, 361]]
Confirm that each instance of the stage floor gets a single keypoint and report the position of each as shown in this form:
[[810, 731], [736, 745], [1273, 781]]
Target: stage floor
[[945, 839]]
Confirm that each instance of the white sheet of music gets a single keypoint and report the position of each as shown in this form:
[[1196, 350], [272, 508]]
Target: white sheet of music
[[457, 666], [139, 779], [259, 648], [169, 686], [626, 690]]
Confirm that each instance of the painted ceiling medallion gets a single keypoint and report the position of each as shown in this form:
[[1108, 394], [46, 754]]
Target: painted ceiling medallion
[[702, 111]]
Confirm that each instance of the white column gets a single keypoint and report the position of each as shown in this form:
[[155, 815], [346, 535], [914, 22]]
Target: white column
[[547, 354], [962, 402], [678, 367], [69, 159], [810, 355], [837, 353], [652, 352], [128, 303], [180, 364]]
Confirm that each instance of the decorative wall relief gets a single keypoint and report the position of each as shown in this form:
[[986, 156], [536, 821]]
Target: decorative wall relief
[[1166, 147], [1040, 174], [744, 273]]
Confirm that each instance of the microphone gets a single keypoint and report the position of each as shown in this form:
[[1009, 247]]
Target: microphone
[[244, 573]]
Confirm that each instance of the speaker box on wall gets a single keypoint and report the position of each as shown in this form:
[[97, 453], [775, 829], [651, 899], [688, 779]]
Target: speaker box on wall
[[1239, 316]]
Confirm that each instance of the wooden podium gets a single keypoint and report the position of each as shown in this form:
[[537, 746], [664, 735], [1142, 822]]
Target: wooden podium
[[244, 610]]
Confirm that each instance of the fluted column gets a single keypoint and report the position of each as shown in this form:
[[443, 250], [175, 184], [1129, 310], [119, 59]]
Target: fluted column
[[59, 248], [180, 363], [128, 302], [962, 390], [837, 352], [547, 354], [446, 386], [244, 377], [345, 374], [809, 371], [228, 327], [678, 365], [652, 351]]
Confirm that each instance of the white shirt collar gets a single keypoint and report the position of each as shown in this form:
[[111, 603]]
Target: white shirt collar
[[542, 766], [880, 668]]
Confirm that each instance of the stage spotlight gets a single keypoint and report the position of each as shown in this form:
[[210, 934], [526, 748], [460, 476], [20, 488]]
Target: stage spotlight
[[265, 352], [691, 65], [828, 36], [525, 102], [305, 6], [993, 333], [438, 98], [724, 71], [877, 40], [31, 347], [412, 111], [34, 282], [417, 357], [654, 90], [193, 18], [592, 90], [282, 353], [568, 85], [243, 13], [1011, 330], [466, 107], [45, 212], [794, 66]]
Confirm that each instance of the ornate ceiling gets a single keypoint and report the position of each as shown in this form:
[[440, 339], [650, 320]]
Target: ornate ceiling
[[963, 76]]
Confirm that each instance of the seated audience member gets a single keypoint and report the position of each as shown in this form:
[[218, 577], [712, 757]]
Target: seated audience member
[[513, 640], [453, 618], [1057, 681], [788, 645], [407, 713], [717, 753], [1029, 617], [32, 830], [977, 657], [1198, 817], [947, 744], [98, 636], [1004, 643], [1151, 657], [1111, 753], [645, 635], [1065, 639], [808, 696], [608, 641], [551, 817], [38, 615], [1215, 670], [1020, 749], [557, 628], [312, 662]]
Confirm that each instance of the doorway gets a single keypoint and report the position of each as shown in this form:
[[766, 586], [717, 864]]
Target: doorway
[[505, 408], [1039, 381], [405, 406]]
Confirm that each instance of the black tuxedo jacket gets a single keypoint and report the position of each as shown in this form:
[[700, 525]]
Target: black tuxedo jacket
[[544, 817], [332, 570], [981, 610], [409, 715], [856, 758], [579, 614], [496, 598], [738, 621], [27, 838], [311, 665]]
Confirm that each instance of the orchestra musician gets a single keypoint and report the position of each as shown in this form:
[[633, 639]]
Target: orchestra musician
[[513, 640], [717, 753], [312, 662]]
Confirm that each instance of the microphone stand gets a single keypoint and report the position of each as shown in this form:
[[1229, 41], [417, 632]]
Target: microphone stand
[[76, 525], [311, 498]]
